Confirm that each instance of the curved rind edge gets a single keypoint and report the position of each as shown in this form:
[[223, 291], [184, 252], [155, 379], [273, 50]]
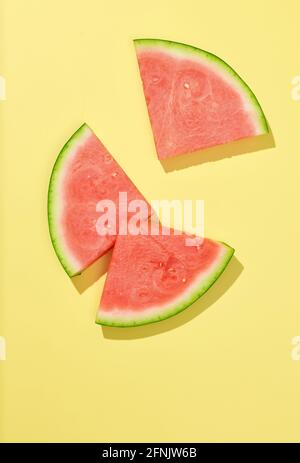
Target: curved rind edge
[[171, 311], [189, 49], [52, 199]]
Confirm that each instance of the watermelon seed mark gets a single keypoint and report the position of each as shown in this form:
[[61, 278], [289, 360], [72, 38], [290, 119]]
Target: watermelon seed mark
[[107, 158], [156, 264], [186, 85], [143, 293], [114, 174], [183, 280]]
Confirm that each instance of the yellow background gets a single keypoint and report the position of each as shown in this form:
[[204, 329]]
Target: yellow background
[[221, 371]]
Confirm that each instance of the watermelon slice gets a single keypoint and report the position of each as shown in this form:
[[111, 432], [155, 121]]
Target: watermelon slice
[[195, 100], [151, 278], [84, 173]]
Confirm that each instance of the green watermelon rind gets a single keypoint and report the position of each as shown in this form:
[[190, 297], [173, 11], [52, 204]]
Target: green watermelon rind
[[208, 56], [53, 199], [195, 293]]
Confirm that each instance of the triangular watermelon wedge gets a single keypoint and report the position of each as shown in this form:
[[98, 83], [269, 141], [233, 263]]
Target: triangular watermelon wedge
[[151, 278], [195, 100], [84, 173]]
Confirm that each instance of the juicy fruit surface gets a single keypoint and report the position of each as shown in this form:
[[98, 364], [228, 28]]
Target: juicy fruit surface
[[192, 104], [87, 174], [148, 275]]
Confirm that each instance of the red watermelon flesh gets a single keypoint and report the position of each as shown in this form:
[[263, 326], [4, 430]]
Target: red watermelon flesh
[[151, 278], [84, 173], [194, 99]]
